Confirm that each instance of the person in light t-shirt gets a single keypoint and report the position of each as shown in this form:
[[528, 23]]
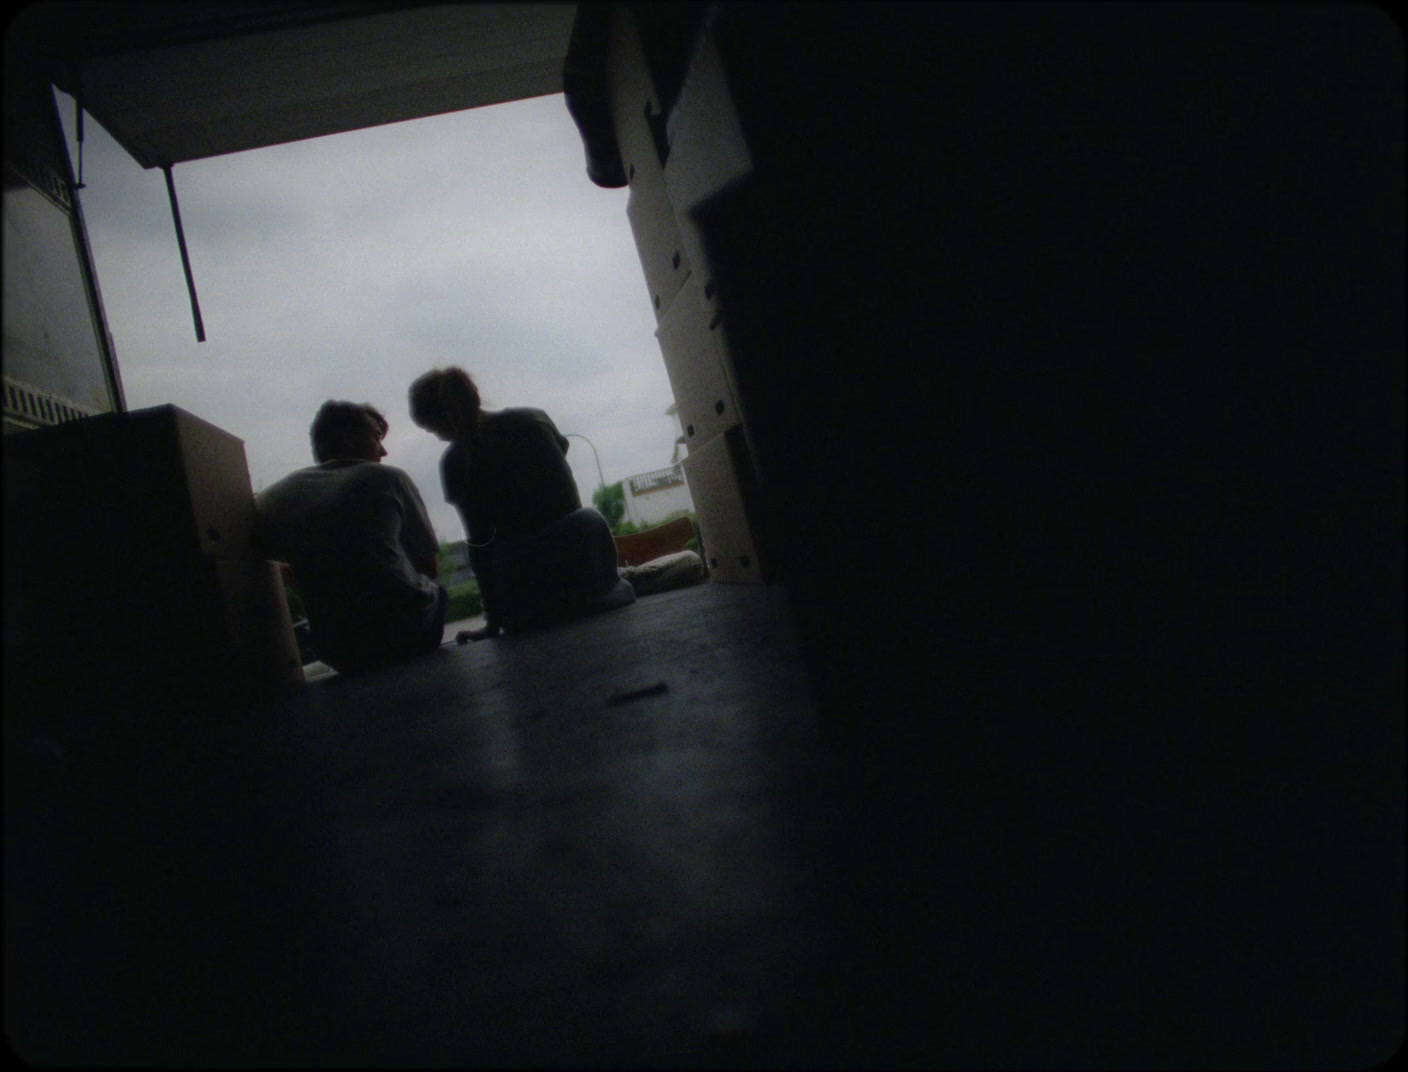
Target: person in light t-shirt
[[361, 548]]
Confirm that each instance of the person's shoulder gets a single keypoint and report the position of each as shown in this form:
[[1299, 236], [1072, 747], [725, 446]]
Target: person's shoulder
[[375, 479], [352, 477], [520, 416], [504, 425], [530, 421], [283, 486], [390, 474]]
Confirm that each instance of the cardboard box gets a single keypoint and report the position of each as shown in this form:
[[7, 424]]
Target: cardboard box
[[721, 499]]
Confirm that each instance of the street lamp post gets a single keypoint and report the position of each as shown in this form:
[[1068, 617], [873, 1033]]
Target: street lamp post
[[578, 435]]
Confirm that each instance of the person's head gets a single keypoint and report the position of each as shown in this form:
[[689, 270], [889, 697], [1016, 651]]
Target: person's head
[[347, 430], [445, 403]]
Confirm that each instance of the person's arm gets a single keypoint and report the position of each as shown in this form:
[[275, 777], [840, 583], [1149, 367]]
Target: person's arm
[[561, 440], [484, 574], [555, 486], [430, 567], [427, 564], [417, 535], [261, 546], [453, 480]]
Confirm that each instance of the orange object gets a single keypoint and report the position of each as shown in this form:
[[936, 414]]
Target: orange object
[[667, 539]]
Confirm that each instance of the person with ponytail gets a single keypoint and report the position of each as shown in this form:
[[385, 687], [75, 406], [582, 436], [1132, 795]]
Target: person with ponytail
[[541, 558]]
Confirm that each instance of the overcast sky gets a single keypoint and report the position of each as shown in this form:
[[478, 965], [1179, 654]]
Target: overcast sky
[[345, 266]]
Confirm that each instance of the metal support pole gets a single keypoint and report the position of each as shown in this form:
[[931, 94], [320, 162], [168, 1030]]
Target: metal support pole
[[185, 257], [578, 435]]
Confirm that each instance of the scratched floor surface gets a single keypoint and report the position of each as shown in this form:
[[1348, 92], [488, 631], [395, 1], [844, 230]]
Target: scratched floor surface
[[627, 842], [608, 843]]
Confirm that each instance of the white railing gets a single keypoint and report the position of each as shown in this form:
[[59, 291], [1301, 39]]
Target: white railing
[[31, 407]]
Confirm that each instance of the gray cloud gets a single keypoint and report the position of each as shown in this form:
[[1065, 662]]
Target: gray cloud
[[345, 266]]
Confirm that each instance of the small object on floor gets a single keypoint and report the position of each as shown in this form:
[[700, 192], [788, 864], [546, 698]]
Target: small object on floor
[[637, 694], [317, 670]]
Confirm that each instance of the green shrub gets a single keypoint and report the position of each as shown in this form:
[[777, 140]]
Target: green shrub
[[465, 601], [448, 555], [610, 502]]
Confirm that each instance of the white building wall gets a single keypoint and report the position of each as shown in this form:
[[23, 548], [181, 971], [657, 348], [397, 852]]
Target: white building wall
[[658, 505]]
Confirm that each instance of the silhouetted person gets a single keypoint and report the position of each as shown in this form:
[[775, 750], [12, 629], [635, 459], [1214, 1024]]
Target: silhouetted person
[[540, 556], [363, 553]]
